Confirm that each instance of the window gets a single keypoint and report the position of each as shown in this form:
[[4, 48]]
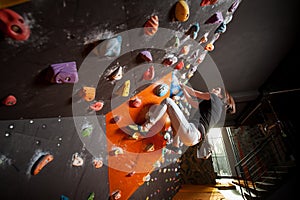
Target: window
[[219, 155]]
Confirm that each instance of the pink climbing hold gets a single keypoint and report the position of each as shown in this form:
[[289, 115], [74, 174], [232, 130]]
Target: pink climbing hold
[[149, 74], [97, 106], [135, 103]]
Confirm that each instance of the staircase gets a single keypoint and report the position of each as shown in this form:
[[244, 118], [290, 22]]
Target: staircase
[[264, 170]]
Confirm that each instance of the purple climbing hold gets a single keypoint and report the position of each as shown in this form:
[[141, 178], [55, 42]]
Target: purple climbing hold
[[146, 55], [234, 6], [215, 18], [64, 73]]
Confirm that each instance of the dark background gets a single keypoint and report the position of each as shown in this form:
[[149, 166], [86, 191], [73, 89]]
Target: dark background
[[255, 56]]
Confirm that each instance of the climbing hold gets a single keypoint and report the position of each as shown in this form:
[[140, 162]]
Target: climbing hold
[[234, 6], [10, 3], [10, 100], [182, 11], [170, 59], [208, 2], [151, 26], [41, 163], [173, 42], [177, 41], [168, 138], [117, 74], [13, 25], [110, 47], [116, 195], [116, 151], [77, 160], [124, 89], [228, 19], [188, 65], [135, 135], [161, 90], [204, 38], [98, 163], [150, 147], [115, 119], [87, 130], [91, 196], [221, 28], [135, 102], [130, 174], [147, 177], [88, 93], [193, 31], [97, 106], [215, 18], [209, 47], [63, 197], [175, 89], [63, 73], [179, 65], [157, 164], [149, 74], [146, 56], [185, 49]]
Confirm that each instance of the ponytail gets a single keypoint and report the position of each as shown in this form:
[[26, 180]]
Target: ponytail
[[229, 102]]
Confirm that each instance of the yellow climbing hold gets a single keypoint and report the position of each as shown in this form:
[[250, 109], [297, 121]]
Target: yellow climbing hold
[[182, 11]]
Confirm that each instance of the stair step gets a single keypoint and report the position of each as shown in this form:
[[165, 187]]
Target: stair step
[[278, 174], [271, 178], [250, 186], [264, 183]]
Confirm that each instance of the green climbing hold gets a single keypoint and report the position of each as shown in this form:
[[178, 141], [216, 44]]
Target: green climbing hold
[[87, 131], [91, 196]]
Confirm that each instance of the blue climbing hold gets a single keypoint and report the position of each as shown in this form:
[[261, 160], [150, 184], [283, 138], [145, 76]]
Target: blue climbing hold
[[161, 90], [63, 197], [110, 47], [221, 28]]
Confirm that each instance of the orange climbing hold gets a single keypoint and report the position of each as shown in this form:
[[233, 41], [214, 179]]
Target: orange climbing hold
[[88, 93], [41, 163], [151, 26], [209, 47]]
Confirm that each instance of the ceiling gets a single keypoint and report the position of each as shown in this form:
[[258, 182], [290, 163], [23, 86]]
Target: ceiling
[[257, 40]]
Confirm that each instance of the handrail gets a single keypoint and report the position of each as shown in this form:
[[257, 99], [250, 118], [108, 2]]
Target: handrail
[[255, 151]]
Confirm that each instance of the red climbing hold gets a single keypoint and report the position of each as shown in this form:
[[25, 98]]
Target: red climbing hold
[[13, 25], [208, 2], [10, 100], [179, 65]]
